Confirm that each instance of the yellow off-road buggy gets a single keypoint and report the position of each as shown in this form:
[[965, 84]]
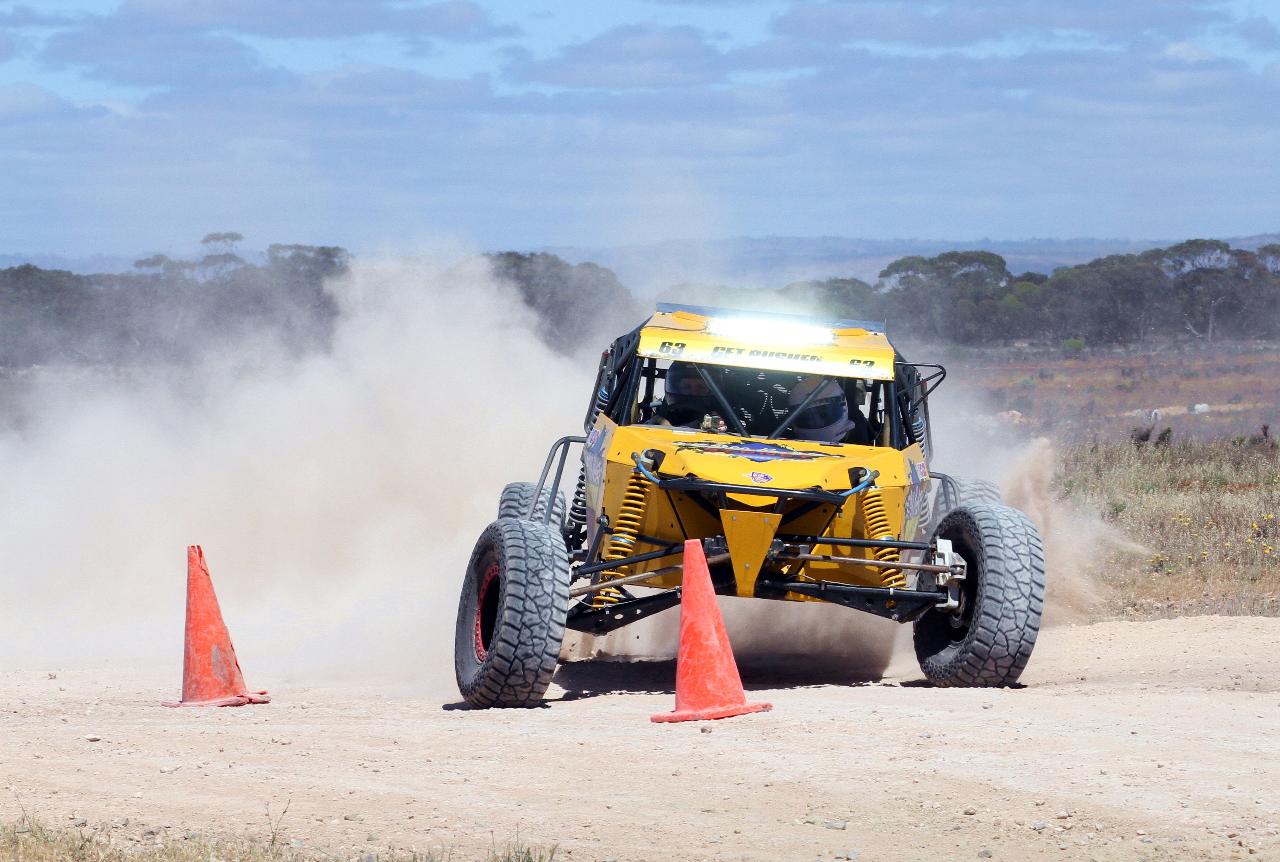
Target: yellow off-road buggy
[[859, 520]]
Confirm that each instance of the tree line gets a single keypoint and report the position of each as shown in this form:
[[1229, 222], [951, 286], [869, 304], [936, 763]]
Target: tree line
[[1199, 289], [172, 310], [169, 310]]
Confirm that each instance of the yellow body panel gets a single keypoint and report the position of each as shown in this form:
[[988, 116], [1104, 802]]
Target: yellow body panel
[[847, 352], [748, 535], [790, 464]]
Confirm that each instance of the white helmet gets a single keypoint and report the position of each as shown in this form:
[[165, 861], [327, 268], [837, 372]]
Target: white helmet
[[827, 416]]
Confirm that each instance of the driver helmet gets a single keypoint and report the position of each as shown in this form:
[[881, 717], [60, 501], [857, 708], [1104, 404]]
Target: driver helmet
[[686, 397], [826, 418]]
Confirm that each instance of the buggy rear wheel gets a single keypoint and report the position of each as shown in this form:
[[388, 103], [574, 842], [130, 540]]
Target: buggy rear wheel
[[511, 614], [517, 502], [959, 491], [988, 640]]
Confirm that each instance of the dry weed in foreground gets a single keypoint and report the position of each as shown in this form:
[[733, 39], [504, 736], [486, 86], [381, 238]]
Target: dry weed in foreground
[[30, 841], [1206, 511]]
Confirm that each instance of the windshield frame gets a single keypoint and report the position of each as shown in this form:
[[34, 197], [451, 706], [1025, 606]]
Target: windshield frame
[[638, 377]]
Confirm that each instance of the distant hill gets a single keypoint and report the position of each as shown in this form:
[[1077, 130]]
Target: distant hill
[[1253, 243], [768, 261], [85, 265], [773, 261]]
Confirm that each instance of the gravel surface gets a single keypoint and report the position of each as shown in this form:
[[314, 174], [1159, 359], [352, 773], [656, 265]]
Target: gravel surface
[[1151, 740]]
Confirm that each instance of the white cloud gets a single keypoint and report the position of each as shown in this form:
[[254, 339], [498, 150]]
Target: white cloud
[[25, 102], [1188, 52], [957, 23], [319, 19], [627, 57], [1134, 130]]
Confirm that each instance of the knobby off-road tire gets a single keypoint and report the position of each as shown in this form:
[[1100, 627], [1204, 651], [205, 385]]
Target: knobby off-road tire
[[511, 614], [989, 640], [517, 502]]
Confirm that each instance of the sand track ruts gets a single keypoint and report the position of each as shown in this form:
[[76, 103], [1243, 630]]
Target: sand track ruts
[[1144, 740]]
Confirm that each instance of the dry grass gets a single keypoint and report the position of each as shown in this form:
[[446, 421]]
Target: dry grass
[[1104, 394], [30, 841], [1205, 511]]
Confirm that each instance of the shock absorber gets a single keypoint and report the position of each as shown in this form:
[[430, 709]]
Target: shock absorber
[[626, 532], [877, 523], [578, 508]]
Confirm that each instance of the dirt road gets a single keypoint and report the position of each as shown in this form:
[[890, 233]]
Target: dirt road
[[1131, 740]]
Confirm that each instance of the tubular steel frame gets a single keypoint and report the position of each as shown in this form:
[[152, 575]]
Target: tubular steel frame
[[562, 446], [897, 604]]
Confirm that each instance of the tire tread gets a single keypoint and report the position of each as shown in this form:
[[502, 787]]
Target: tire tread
[[531, 619], [1010, 602], [517, 501]]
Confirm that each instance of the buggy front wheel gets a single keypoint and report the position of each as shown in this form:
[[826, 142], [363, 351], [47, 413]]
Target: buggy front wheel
[[987, 641], [511, 614]]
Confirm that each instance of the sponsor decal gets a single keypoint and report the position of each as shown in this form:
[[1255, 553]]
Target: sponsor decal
[[760, 478], [918, 472], [915, 512], [593, 456], [916, 503], [753, 451], [764, 354]]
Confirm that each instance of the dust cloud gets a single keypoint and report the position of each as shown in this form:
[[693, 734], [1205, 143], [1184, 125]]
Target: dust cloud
[[337, 496], [1075, 540], [809, 641], [973, 443]]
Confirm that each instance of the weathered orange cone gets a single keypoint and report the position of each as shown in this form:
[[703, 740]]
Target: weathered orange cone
[[210, 673], [707, 681]]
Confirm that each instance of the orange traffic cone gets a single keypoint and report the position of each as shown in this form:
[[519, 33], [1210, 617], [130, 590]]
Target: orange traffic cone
[[210, 673], [707, 681]]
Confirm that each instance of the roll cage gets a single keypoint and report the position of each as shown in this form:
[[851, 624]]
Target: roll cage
[[624, 389], [897, 410]]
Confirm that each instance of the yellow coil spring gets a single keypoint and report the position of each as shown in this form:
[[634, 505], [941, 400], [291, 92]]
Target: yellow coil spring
[[877, 522], [626, 530]]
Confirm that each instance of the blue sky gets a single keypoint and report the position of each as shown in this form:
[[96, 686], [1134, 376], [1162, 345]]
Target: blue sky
[[141, 125]]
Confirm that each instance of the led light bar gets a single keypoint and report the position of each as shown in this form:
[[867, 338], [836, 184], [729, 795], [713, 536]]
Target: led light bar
[[710, 312], [767, 331]]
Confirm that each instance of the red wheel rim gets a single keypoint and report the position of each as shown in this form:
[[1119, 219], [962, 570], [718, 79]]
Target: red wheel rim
[[487, 593]]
